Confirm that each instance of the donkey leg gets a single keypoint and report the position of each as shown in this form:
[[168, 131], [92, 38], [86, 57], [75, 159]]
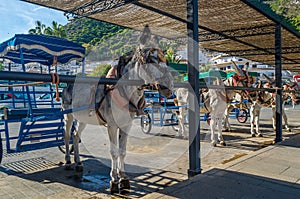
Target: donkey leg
[[68, 125], [212, 130], [181, 119], [285, 119], [220, 136], [274, 117], [180, 125], [76, 139], [113, 138], [227, 127], [252, 119], [124, 182], [258, 133]]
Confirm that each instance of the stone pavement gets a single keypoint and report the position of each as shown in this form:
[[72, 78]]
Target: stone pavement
[[157, 164], [272, 172]]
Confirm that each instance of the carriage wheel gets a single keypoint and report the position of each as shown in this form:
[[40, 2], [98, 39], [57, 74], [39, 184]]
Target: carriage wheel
[[146, 123], [1, 149], [242, 116], [62, 148]]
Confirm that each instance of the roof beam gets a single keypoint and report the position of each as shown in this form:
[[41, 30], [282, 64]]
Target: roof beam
[[285, 50], [239, 33], [201, 27]]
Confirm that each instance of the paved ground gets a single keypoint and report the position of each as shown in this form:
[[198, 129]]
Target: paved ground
[[156, 163], [272, 172]]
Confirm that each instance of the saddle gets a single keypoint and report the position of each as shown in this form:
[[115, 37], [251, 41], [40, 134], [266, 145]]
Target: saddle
[[118, 95]]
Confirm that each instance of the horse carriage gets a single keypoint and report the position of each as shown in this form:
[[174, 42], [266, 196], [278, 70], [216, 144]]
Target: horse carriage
[[31, 118], [161, 113]]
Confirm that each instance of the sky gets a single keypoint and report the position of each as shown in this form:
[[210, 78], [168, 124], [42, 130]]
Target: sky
[[17, 17]]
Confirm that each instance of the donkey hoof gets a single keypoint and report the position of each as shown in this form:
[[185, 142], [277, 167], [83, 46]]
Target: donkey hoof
[[68, 166], [222, 143], [253, 135], [114, 187], [79, 168], [289, 130], [214, 144], [124, 184], [259, 135], [226, 130]]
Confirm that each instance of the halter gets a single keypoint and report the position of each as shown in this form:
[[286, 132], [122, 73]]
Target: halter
[[143, 57], [140, 58]]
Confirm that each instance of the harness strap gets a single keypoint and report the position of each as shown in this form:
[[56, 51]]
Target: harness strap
[[106, 91], [204, 102], [55, 80]]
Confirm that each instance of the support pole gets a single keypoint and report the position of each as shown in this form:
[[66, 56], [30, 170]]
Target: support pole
[[193, 78], [278, 76]]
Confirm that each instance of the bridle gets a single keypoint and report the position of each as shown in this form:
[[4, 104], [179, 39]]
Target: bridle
[[152, 56]]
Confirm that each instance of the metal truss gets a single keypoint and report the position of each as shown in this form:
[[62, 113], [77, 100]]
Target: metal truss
[[94, 7], [239, 33], [271, 51]]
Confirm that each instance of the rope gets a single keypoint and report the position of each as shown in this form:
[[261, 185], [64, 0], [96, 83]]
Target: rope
[[55, 80], [18, 85]]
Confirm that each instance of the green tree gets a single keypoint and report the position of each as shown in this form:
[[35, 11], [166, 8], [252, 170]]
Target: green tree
[[290, 9], [1, 66], [172, 57], [39, 28], [100, 70], [55, 29]]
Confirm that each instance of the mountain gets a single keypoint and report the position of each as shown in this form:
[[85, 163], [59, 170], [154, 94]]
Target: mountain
[[104, 41]]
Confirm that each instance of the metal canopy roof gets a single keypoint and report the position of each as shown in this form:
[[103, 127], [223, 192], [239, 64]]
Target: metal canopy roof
[[238, 27]]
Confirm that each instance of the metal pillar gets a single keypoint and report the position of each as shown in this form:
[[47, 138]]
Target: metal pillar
[[278, 76], [193, 78]]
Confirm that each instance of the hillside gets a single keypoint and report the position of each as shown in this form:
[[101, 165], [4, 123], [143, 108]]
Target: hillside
[[104, 41]]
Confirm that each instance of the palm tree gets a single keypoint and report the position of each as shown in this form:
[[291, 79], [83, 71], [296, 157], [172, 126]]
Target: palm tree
[[56, 29], [39, 28]]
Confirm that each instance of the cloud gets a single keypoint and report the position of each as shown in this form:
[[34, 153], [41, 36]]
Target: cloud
[[18, 17], [38, 8]]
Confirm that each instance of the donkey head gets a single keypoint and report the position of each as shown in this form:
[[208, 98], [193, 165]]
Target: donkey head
[[151, 65]]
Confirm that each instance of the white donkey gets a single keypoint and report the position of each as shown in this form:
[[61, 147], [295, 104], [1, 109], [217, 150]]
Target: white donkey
[[266, 99], [147, 65], [214, 103]]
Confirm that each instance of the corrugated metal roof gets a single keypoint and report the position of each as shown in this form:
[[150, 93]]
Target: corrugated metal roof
[[237, 27]]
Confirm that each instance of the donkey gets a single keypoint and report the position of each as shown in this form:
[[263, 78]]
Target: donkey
[[266, 99], [240, 79], [214, 102], [147, 65]]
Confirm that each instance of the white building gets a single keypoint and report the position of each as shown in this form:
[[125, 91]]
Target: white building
[[204, 57], [224, 62]]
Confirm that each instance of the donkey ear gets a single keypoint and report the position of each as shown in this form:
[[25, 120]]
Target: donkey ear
[[268, 78], [146, 35], [247, 66], [237, 69]]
